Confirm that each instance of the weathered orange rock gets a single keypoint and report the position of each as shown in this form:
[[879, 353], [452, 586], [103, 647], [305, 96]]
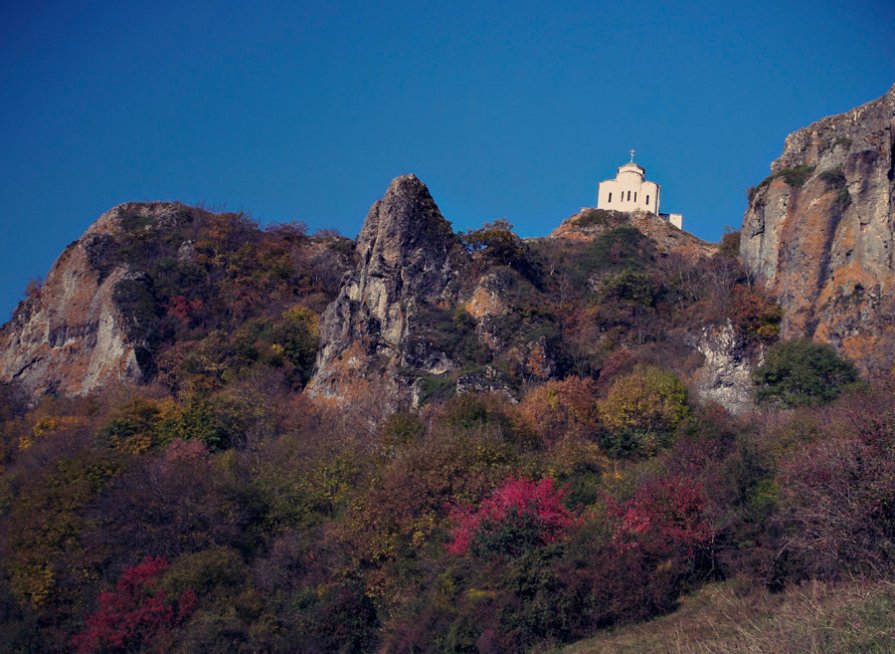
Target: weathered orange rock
[[819, 233]]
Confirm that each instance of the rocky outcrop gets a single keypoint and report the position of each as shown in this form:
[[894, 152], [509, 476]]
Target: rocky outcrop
[[404, 284], [819, 232], [588, 224], [70, 336], [725, 376]]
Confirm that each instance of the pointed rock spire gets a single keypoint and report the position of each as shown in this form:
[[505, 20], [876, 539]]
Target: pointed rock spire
[[407, 260]]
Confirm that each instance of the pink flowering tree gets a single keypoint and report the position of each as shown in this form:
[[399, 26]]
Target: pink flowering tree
[[518, 516], [137, 615]]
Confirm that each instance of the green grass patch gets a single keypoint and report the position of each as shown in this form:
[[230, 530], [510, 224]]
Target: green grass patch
[[796, 176], [436, 388], [594, 218]]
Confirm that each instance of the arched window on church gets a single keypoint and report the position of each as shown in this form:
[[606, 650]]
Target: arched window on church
[[647, 200], [629, 196], [635, 196], [610, 198]]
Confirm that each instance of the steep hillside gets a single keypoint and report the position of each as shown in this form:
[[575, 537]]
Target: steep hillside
[[819, 233], [157, 291], [162, 292], [423, 441], [72, 336], [426, 313]]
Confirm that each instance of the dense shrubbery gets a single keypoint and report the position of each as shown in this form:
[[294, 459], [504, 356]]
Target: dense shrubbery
[[196, 279], [224, 510], [800, 373], [474, 524], [642, 411], [622, 248], [499, 245]]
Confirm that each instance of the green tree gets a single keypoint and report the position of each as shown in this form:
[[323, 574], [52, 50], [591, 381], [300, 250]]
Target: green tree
[[802, 373], [499, 245], [642, 410], [296, 337]]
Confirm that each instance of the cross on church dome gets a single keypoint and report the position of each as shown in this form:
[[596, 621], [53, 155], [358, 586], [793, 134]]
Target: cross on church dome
[[632, 155]]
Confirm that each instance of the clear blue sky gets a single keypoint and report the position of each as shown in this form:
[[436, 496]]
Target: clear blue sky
[[298, 110]]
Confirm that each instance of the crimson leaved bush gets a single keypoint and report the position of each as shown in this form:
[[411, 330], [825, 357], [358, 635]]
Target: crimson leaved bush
[[183, 308], [663, 516], [519, 515], [136, 615]]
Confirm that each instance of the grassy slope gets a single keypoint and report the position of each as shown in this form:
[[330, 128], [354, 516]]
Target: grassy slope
[[854, 618]]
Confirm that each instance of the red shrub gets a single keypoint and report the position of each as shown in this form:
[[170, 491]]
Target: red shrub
[[663, 515], [135, 614], [183, 308], [519, 514]]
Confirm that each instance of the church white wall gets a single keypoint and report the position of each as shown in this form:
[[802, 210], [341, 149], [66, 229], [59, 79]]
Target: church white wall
[[628, 192]]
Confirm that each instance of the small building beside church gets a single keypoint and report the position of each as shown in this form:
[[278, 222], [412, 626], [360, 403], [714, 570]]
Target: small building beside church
[[631, 191]]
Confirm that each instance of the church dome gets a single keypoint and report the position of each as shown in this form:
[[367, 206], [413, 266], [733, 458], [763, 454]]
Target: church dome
[[630, 168]]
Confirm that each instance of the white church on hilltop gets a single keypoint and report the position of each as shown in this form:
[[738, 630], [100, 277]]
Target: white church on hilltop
[[629, 191]]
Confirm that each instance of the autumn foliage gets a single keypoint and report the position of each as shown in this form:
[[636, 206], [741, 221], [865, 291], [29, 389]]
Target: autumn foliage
[[560, 477], [560, 408], [642, 411], [663, 515], [518, 515], [136, 615]]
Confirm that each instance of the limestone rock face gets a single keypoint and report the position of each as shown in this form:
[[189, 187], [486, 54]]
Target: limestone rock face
[[819, 234], [725, 376], [408, 261], [69, 337]]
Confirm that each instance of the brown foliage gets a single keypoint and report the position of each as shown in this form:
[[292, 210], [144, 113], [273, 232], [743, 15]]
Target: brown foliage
[[838, 491], [179, 501], [562, 408]]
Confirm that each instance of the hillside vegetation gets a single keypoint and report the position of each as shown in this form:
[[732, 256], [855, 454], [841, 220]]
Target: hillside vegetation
[[221, 438], [561, 476]]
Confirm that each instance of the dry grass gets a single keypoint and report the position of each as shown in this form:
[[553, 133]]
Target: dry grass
[[852, 618]]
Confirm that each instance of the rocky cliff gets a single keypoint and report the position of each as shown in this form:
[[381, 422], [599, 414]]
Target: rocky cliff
[[70, 336], [819, 234], [408, 262]]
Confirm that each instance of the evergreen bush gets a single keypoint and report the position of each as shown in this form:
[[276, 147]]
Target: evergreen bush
[[802, 373]]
